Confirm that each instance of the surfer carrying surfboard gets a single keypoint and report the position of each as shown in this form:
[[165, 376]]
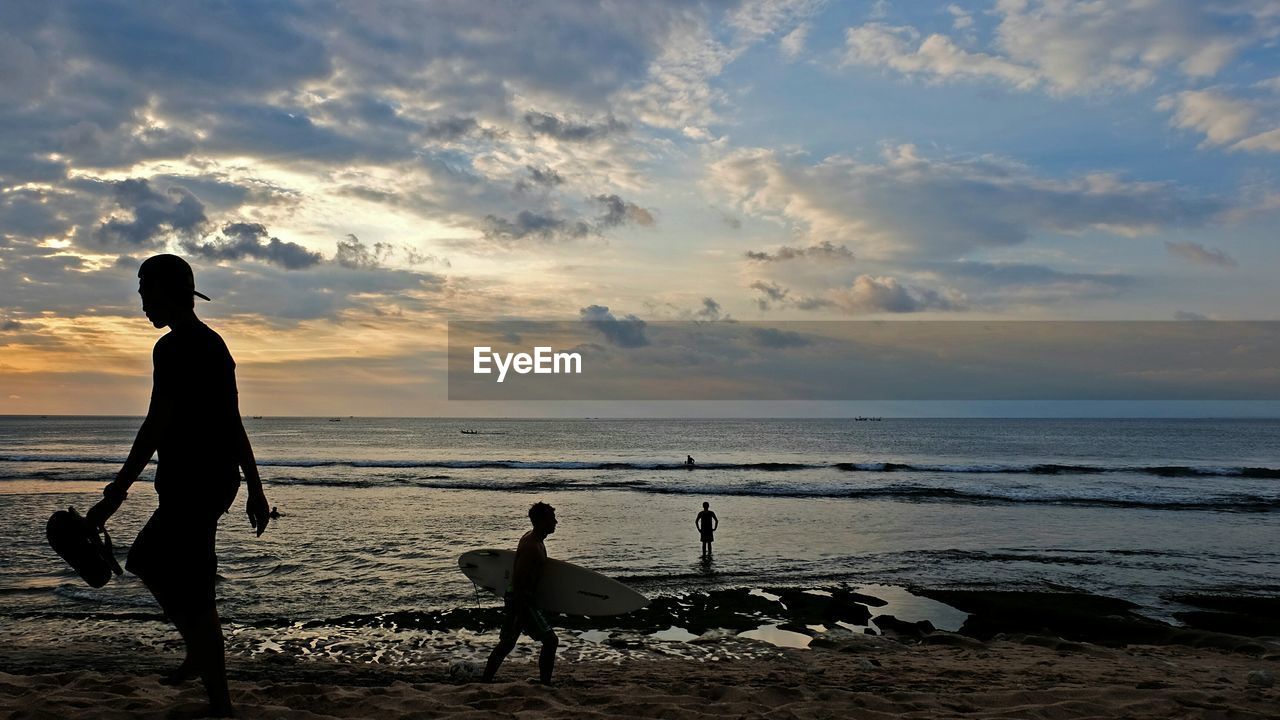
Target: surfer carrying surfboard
[[523, 615]]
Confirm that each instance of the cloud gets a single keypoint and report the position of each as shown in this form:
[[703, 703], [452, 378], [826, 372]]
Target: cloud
[[792, 44], [1268, 141], [547, 226], [203, 49], [37, 280], [1220, 117], [38, 214], [154, 215], [710, 311], [678, 92], [627, 331], [1077, 47], [250, 240], [754, 19], [866, 294], [908, 206], [532, 225], [89, 145], [1241, 123], [620, 212], [824, 251], [961, 19], [356, 255], [937, 56], [452, 128], [776, 339], [220, 192], [540, 177], [54, 285], [1084, 46], [551, 126], [871, 294], [275, 295], [1199, 254], [770, 294], [359, 85], [413, 256], [1006, 285]]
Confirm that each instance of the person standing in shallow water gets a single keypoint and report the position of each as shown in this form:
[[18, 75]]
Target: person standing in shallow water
[[194, 424], [523, 615], [707, 523]]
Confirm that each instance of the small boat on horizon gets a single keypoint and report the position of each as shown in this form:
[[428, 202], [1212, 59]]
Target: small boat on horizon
[[469, 432]]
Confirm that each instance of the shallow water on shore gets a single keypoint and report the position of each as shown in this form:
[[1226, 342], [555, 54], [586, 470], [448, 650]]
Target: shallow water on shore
[[377, 511]]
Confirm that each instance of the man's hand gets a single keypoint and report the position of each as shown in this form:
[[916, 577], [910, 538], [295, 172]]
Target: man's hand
[[259, 510], [112, 496]]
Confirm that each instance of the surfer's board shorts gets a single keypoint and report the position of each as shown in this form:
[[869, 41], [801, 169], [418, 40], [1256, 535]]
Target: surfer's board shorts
[[708, 536], [524, 617]]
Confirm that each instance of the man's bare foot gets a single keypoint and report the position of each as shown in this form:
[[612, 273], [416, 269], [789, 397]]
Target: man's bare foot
[[181, 674]]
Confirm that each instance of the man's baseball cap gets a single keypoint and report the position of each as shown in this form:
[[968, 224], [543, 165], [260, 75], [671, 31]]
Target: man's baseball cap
[[170, 271]]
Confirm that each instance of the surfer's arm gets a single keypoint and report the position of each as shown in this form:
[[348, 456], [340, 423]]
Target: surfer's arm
[[715, 522]]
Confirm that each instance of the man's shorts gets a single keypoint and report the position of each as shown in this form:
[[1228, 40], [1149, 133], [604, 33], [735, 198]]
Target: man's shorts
[[524, 616], [174, 553]]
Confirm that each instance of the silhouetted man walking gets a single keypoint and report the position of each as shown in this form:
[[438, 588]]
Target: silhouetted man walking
[[194, 424], [523, 615]]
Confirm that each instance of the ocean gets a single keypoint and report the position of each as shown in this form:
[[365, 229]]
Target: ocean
[[376, 511]]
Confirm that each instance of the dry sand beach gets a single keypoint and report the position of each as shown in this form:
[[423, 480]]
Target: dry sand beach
[[867, 677]]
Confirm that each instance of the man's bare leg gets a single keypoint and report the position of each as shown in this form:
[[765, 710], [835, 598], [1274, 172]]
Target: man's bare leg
[[547, 659], [211, 660], [181, 620], [506, 642], [201, 632]]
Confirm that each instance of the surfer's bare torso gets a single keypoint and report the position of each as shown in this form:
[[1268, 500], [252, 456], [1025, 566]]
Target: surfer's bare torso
[[531, 556]]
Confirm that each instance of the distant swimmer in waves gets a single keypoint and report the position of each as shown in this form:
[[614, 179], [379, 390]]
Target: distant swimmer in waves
[[275, 513], [688, 461], [707, 523], [523, 615]]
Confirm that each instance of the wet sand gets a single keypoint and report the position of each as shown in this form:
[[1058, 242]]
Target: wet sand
[[1023, 654]]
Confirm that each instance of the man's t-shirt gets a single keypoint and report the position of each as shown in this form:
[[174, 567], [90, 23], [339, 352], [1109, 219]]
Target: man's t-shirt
[[194, 387]]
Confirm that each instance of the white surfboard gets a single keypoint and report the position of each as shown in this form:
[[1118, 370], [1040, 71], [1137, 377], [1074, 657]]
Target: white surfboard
[[564, 587]]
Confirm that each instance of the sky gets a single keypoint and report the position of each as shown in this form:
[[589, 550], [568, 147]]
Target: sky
[[347, 178]]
